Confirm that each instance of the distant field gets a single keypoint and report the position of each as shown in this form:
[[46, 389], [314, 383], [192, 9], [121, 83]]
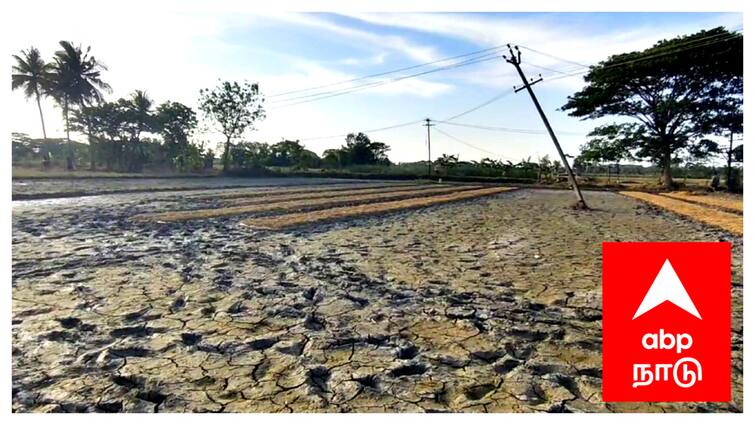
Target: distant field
[[642, 182], [20, 172]]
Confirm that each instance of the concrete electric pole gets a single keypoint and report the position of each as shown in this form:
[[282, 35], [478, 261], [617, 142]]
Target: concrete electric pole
[[429, 158], [516, 60]]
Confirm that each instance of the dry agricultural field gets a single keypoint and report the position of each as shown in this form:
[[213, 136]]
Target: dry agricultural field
[[332, 296]]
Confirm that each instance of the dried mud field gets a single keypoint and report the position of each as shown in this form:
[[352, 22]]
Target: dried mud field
[[483, 305]]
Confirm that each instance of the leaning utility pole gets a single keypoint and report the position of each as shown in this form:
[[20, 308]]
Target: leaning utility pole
[[429, 158], [516, 60]]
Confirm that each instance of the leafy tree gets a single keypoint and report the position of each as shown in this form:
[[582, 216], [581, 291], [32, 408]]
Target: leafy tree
[[286, 153], [26, 149], [445, 163], [308, 159], [32, 75], [361, 150], [726, 120], [447, 160], [76, 81], [333, 158], [209, 159], [250, 154], [137, 119], [546, 168], [176, 123], [665, 91], [235, 108], [607, 146]]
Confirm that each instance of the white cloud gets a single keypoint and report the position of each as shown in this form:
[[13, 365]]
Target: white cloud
[[580, 44], [377, 59], [396, 43]]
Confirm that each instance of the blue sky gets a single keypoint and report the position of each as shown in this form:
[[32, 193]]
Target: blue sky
[[181, 50]]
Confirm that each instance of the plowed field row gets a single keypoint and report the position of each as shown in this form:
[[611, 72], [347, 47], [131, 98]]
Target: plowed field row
[[268, 191], [733, 205], [728, 221], [298, 219], [327, 194], [296, 205]]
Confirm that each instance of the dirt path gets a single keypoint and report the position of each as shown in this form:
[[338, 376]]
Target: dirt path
[[485, 305]]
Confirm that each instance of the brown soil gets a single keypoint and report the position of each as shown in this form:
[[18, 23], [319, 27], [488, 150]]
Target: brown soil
[[298, 219], [279, 191], [725, 203], [327, 194], [294, 205], [708, 215], [490, 304]]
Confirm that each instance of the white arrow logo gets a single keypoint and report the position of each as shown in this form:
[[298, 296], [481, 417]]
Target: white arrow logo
[[667, 287]]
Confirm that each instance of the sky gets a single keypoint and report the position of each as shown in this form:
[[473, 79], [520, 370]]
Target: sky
[[172, 52]]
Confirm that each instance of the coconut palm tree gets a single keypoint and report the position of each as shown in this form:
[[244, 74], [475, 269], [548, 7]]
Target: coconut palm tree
[[32, 74], [76, 82]]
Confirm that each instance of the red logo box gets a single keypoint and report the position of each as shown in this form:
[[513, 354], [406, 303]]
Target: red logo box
[[667, 321]]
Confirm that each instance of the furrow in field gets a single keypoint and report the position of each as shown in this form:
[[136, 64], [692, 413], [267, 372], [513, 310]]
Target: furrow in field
[[272, 190], [728, 221], [733, 205], [327, 194], [297, 205], [297, 219]]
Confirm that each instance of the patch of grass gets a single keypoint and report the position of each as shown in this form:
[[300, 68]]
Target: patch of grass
[[297, 219], [295, 205], [726, 203], [730, 222]]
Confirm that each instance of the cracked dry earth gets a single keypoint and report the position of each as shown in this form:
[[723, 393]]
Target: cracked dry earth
[[488, 305]]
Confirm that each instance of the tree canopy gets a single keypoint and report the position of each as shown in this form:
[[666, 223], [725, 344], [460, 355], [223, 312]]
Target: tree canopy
[[669, 94], [234, 108], [34, 76]]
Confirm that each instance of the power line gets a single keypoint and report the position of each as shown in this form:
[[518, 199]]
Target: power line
[[555, 71], [675, 49], [581, 65], [454, 138], [507, 129], [481, 105], [374, 130], [380, 74], [333, 93], [689, 46], [553, 56]]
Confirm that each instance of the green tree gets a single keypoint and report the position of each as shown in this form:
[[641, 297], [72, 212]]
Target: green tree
[[333, 158], [32, 75], [726, 120], [176, 123], [448, 161], [663, 91], [251, 154], [286, 153], [608, 145], [235, 108], [361, 150], [137, 118], [308, 159], [76, 81]]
